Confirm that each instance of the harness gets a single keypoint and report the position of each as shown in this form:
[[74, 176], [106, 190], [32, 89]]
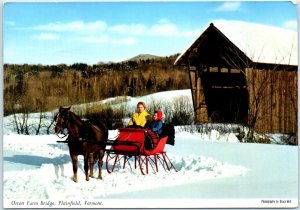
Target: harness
[[84, 131], [63, 126]]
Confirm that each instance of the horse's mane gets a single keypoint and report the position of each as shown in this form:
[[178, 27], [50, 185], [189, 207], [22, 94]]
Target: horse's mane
[[95, 122], [76, 117]]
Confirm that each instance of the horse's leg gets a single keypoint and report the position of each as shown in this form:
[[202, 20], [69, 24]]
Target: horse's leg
[[100, 162], [91, 160], [75, 166], [85, 153], [86, 166]]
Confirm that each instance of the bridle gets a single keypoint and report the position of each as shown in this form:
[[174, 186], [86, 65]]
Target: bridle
[[66, 118]]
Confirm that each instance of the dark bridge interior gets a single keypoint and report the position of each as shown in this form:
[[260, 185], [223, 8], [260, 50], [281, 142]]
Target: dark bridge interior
[[226, 95]]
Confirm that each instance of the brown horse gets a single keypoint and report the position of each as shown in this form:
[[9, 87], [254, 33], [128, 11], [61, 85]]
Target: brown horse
[[87, 138]]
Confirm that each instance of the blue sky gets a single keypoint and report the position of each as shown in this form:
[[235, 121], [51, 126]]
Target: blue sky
[[92, 32]]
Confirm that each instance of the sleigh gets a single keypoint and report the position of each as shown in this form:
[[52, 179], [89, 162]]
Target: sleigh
[[130, 144]]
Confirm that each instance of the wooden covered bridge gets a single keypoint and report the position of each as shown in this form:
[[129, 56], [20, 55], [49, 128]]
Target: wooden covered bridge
[[244, 73]]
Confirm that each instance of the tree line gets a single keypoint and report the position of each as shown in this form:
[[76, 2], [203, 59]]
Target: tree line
[[37, 88]]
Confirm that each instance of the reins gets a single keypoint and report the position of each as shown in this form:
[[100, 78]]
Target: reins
[[61, 137], [64, 126]]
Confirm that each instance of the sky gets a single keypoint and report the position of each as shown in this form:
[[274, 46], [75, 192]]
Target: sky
[[92, 32]]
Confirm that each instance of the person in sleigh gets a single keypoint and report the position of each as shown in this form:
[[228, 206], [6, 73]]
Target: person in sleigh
[[140, 118], [154, 130]]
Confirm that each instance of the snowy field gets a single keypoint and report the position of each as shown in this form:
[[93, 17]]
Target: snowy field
[[214, 170]]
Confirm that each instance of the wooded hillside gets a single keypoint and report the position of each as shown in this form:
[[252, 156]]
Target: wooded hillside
[[35, 88]]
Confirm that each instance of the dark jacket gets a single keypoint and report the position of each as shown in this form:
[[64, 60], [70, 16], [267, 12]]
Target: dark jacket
[[156, 126]]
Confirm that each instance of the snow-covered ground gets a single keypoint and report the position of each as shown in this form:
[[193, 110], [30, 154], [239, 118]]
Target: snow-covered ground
[[214, 170]]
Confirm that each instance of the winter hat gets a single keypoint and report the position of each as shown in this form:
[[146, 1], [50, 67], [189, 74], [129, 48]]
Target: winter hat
[[159, 115], [141, 103]]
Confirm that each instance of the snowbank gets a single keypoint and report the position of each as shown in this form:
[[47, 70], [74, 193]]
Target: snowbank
[[54, 174]]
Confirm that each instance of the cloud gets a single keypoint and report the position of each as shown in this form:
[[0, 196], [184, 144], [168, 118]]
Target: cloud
[[229, 7], [134, 29], [74, 26], [290, 24], [47, 36], [166, 28], [162, 28], [99, 32], [125, 41], [10, 23], [95, 39], [104, 39]]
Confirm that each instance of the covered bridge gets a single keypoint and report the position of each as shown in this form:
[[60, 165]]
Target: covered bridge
[[244, 73]]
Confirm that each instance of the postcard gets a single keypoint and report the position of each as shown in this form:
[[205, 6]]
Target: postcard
[[161, 104]]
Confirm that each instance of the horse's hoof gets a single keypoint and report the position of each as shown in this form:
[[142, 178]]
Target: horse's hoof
[[87, 179], [100, 177], [91, 175]]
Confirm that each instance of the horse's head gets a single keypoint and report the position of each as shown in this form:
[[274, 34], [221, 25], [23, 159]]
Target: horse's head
[[61, 119]]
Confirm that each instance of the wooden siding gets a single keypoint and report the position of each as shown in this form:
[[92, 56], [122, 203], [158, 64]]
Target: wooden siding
[[272, 100], [199, 101]]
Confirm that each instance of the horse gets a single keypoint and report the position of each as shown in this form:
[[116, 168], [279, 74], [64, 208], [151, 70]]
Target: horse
[[87, 138]]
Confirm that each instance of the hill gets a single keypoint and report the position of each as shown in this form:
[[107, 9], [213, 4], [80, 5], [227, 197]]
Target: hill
[[143, 57]]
